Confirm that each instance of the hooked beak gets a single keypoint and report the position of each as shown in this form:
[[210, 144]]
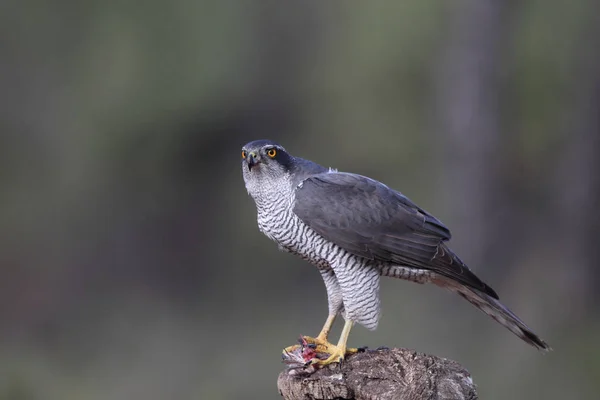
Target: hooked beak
[[252, 160]]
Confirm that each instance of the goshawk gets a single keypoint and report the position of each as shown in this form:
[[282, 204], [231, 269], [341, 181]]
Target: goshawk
[[354, 230]]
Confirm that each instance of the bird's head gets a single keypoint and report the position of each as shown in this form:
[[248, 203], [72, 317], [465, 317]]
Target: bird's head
[[264, 163]]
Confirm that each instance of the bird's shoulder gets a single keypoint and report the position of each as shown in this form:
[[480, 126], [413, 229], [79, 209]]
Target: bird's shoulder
[[340, 185], [346, 199]]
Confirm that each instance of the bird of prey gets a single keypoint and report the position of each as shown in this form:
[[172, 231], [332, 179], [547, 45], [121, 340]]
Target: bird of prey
[[355, 230]]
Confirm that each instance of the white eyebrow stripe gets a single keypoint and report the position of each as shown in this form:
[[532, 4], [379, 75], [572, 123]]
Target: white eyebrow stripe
[[272, 146]]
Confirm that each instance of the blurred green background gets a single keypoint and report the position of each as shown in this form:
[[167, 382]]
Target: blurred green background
[[131, 264]]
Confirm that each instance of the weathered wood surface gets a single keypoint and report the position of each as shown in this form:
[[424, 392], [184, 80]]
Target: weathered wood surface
[[383, 374]]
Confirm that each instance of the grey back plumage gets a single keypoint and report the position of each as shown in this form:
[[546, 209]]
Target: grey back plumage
[[370, 220]]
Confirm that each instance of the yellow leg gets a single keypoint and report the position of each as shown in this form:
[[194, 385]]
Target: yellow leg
[[345, 333], [321, 342], [337, 353], [326, 328]]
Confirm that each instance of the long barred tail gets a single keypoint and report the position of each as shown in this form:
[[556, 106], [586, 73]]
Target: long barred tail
[[501, 314]]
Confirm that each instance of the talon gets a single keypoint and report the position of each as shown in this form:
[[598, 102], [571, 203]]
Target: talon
[[337, 355], [318, 351], [317, 344]]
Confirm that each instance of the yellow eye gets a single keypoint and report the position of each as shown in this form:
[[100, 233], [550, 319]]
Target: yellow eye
[[244, 154], [271, 153]]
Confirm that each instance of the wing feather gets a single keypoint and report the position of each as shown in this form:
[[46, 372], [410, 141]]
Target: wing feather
[[370, 220]]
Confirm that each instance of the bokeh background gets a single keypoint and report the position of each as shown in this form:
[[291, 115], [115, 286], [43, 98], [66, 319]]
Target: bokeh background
[[131, 266]]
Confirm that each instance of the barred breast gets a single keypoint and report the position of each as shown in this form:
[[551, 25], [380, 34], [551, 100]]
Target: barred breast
[[352, 278], [294, 236]]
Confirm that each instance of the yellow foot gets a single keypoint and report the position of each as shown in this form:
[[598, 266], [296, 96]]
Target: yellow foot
[[336, 355], [319, 345]]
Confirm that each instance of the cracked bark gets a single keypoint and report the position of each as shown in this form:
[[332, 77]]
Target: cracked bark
[[383, 374]]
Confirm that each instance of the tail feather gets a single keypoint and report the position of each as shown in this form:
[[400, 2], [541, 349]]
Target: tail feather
[[502, 315]]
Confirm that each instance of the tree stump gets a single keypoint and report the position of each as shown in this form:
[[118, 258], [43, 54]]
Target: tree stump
[[382, 374]]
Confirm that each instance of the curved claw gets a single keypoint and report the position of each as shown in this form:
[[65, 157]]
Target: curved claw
[[336, 356], [317, 344], [318, 351]]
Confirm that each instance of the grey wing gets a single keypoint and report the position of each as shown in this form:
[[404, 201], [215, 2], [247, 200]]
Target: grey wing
[[370, 220]]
